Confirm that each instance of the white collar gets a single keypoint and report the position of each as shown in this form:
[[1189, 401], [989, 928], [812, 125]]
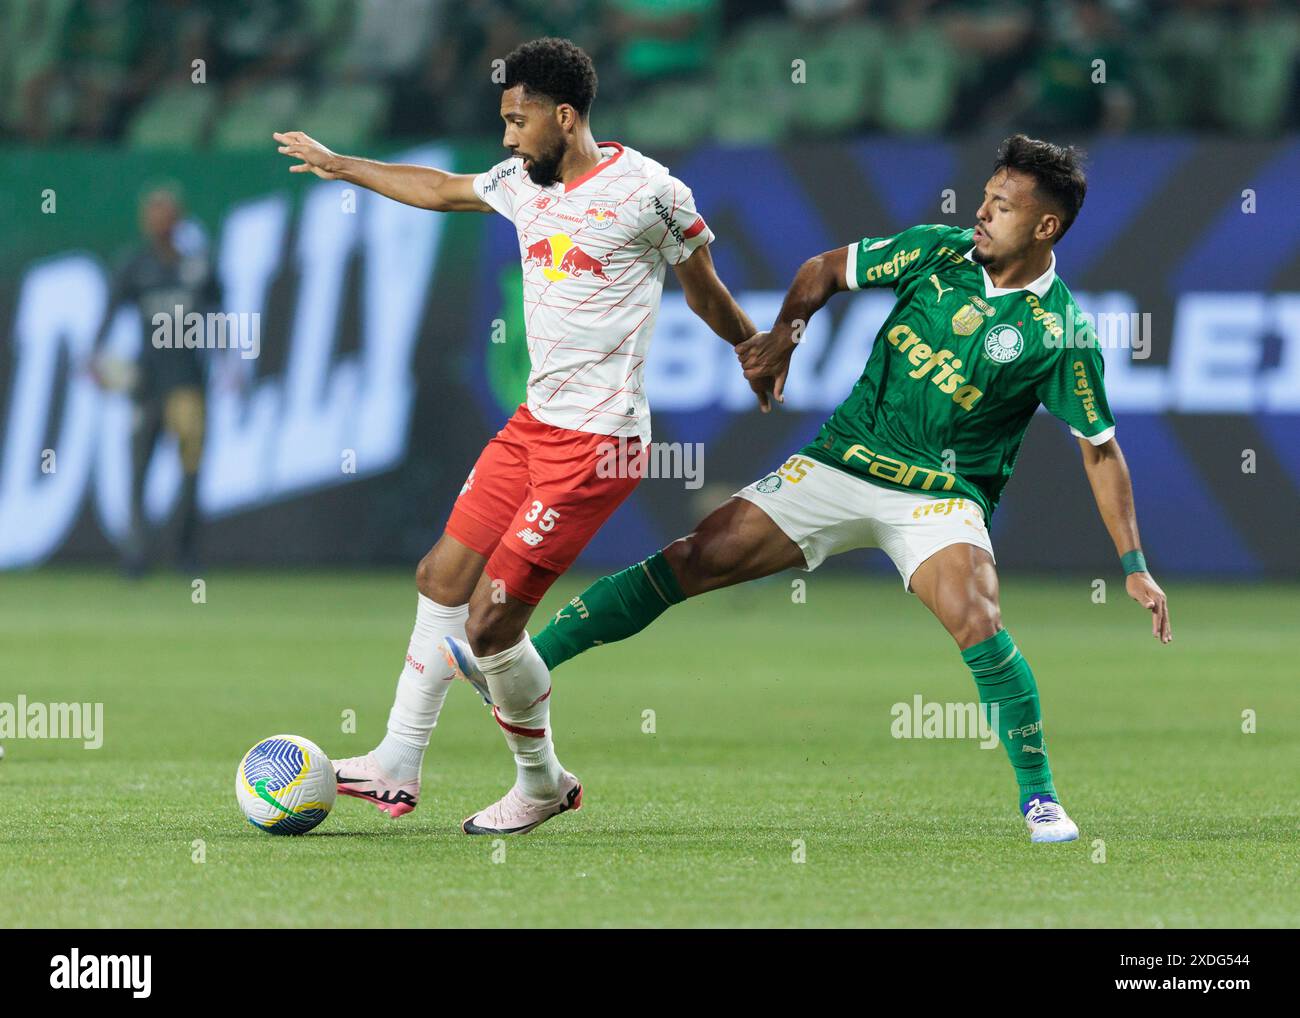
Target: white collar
[[1038, 287]]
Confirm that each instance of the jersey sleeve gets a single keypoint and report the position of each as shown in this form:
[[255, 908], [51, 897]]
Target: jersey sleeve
[[1074, 388], [670, 223], [499, 185], [891, 261]]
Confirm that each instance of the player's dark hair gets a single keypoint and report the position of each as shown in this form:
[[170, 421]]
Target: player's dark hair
[[555, 68], [1057, 171]]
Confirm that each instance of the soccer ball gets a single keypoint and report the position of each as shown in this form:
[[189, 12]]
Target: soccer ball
[[285, 785]]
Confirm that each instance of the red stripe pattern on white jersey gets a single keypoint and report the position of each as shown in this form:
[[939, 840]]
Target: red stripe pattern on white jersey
[[594, 254]]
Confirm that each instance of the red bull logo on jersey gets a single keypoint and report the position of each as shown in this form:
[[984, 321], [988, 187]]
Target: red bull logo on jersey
[[559, 258], [601, 215]]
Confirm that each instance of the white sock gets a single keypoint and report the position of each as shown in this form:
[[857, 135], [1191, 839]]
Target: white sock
[[521, 689], [421, 689]]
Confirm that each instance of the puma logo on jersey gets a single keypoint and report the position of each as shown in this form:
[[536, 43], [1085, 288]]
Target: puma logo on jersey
[[934, 278]]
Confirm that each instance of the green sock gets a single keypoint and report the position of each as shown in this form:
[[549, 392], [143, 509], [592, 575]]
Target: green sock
[[1003, 677], [613, 608]]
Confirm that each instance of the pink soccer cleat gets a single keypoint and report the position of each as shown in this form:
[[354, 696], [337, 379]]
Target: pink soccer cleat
[[513, 814], [361, 777]]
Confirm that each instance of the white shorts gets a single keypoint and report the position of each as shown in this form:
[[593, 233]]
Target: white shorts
[[826, 511]]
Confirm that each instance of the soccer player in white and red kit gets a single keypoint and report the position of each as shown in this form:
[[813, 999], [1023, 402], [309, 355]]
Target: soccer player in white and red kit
[[597, 225]]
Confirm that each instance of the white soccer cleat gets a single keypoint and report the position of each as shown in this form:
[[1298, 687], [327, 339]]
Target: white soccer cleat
[[513, 814], [362, 777], [460, 659], [1048, 821]]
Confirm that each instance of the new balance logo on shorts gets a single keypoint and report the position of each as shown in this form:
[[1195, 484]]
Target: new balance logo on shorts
[[530, 537]]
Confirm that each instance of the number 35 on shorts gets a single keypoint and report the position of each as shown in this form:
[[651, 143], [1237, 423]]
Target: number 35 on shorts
[[541, 522], [543, 517], [795, 468]]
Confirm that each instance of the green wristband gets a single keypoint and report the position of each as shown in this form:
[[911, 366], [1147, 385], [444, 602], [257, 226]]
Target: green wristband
[[1133, 562]]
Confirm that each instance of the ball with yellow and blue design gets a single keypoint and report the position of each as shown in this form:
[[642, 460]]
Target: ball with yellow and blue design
[[285, 785]]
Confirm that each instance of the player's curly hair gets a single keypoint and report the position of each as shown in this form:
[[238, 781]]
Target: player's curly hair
[[555, 68], [1056, 169]]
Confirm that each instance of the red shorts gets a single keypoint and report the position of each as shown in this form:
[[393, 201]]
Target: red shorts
[[536, 497]]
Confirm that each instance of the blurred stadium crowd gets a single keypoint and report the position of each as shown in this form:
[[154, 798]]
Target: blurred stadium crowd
[[673, 72]]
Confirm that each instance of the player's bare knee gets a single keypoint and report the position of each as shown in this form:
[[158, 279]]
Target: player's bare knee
[[683, 557], [480, 632], [702, 561], [426, 577], [490, 631], [977, 627], [442, 578]]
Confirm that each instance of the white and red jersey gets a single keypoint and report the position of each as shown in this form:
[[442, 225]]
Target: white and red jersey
[[594, 253]]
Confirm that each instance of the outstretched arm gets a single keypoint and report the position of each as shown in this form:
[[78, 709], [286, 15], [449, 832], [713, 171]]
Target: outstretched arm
[[1113, 490], [421, 186], [708, 297], [768, 353]]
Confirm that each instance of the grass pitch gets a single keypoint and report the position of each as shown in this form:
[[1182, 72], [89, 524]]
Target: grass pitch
[[771, 744]]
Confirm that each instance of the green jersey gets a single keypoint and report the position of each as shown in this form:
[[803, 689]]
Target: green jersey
[[958, 369]]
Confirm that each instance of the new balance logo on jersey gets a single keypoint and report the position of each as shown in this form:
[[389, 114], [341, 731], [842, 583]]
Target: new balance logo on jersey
[[530, 537]]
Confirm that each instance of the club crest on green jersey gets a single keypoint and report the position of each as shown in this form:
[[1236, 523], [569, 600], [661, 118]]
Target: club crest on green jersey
[[966, 320], [1003, 344]]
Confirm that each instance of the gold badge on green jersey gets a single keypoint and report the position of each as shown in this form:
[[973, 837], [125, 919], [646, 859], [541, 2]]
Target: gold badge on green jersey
[[966, 320]]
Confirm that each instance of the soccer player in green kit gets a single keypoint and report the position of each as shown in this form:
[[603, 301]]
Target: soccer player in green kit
[[914, 460]]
